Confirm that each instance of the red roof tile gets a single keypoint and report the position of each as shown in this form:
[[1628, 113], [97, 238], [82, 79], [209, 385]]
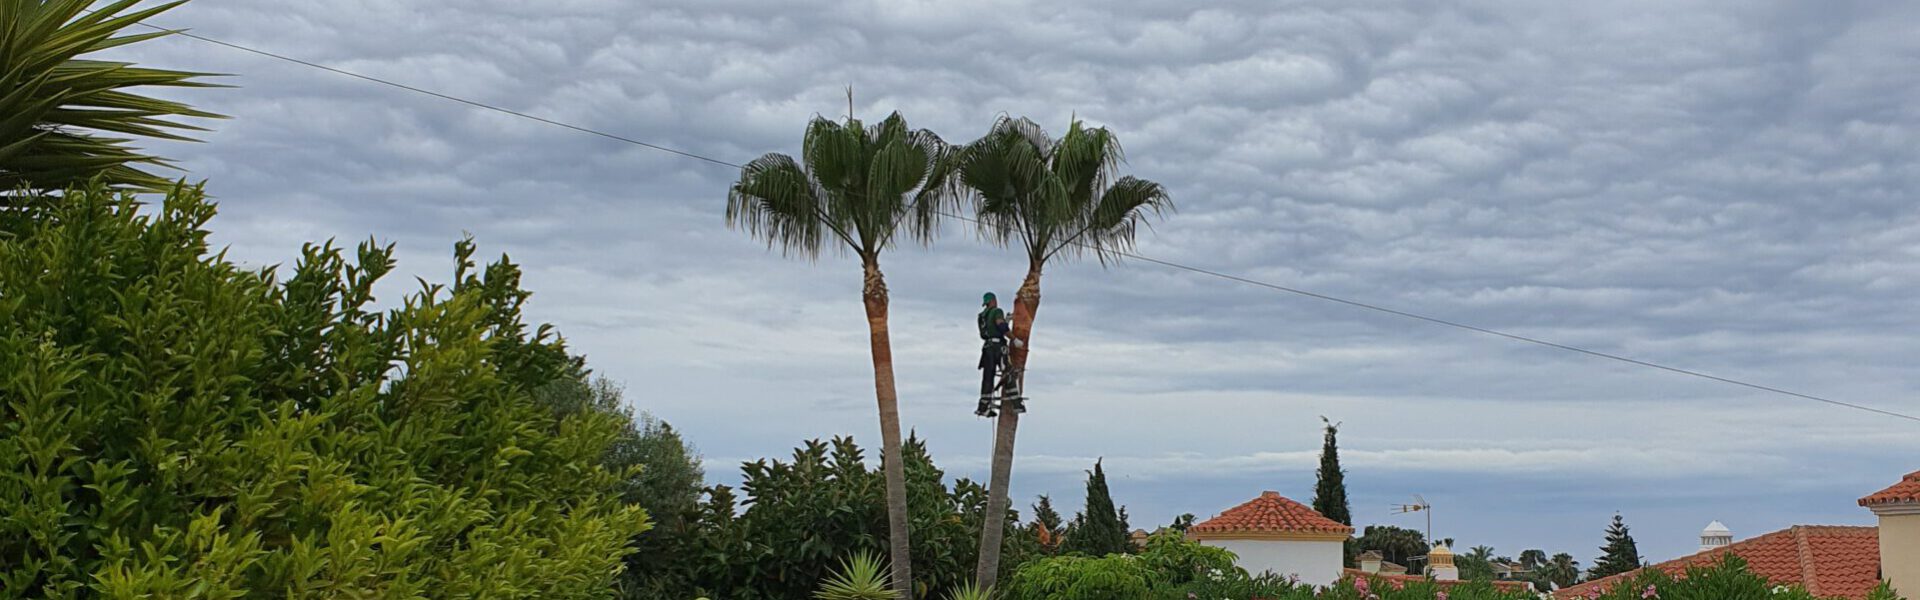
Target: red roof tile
[[1508, 586], [1270, 513], [1908, 490], [1827, 560]]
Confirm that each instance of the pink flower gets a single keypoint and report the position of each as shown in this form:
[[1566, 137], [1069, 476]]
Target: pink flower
[[1650, 593], [1360, 584], [1441, 595]]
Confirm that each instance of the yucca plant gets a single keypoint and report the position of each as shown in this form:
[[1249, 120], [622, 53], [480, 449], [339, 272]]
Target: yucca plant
[[970, 591], [65, 120], [861, 577]]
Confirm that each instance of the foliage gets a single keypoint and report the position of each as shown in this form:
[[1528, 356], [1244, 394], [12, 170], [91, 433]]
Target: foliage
[[1532, 558], [1619, 555], [1476, 564], [804, 513], [969, 591], [1561, 571], [63, 114], [1398, 545], [1111, 577], [1330, 487], [664, 477], [861, 577], [175, 426], [1182, 523], [1098, 529], [1056, 197], [1176, 561]]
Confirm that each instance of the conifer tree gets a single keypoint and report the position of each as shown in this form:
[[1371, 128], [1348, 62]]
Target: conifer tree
[[1044, 514], [1619, 555], [1330, 493], [1098, 530]]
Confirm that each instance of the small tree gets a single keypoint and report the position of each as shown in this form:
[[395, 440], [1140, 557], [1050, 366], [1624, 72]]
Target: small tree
[[1398, 545], [1098, 530], [1330, 490], [1619, 555], [176, 426]]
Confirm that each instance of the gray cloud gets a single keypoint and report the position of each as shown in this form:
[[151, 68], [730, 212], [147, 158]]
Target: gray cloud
[[1722, 188]]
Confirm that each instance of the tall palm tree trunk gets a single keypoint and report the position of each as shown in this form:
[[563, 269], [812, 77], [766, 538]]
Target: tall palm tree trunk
[[874, 294], [1025, 303]]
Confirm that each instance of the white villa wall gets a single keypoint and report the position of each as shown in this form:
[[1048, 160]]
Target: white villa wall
[[1316, 562]]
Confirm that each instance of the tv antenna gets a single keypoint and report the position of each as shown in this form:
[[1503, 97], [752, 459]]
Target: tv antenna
[[1419, 505]]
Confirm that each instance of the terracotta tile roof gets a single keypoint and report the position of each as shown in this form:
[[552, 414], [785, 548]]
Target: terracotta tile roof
[[1270, 513], [1827, 560], [1908, 490], [1509, 586]]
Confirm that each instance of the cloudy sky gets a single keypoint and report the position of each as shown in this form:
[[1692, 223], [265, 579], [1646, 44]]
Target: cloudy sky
[[1727, 191]]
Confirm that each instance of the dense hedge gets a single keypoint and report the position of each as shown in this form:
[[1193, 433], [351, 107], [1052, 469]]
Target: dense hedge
[[173, 425]]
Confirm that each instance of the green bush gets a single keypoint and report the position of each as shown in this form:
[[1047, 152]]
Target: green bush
[[175, 426], [1112, 577], [805, 514]]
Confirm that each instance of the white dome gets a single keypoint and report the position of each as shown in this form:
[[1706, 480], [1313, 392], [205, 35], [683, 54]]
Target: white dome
[[1716, 529]]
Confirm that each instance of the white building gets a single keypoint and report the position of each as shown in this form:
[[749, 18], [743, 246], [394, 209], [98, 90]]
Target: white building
[[1715, 536], [1277, 535]]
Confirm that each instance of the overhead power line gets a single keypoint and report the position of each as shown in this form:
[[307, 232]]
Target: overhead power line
[[1139, 257]]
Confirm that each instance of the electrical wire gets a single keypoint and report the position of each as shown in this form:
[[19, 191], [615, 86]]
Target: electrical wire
[[1131, 255]]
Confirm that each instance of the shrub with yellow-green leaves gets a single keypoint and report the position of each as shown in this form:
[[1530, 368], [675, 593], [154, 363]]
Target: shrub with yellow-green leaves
[[175, 426]]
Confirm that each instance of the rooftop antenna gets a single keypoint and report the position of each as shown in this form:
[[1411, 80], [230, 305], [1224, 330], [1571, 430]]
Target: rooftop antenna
[[1419, 504]]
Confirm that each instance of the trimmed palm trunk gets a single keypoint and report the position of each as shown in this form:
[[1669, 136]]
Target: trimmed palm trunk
[[1025, 304], [874, 296]]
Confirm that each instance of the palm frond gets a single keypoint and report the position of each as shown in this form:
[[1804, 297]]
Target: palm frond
[[1113, 224], [861, 184], [1059, 198], [776, 201], [57, 100]]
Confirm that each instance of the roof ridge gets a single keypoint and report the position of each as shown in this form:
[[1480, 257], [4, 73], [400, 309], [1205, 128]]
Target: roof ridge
[[1803, 552]]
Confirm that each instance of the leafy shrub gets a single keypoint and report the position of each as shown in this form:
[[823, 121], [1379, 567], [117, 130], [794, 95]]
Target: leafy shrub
[[1112, 577], [175, 426]]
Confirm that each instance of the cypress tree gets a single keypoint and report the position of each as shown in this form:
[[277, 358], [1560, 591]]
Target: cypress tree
[[1098, 529], [1619, 555], [1044, 514], [1330, 493]]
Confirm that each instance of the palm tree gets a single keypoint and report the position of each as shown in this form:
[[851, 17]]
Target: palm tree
[[1532, 558], [1563, 570], [61, 116], [1052, 198], [1481, 553], [859, 188]]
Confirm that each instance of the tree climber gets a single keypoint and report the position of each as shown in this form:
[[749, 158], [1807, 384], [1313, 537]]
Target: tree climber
[[993, 352]]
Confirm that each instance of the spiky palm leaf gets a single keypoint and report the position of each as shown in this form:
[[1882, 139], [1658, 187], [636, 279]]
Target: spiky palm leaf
[[1054, 197], [970, 591], [859, 186], [63, 118], [862, 577]]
